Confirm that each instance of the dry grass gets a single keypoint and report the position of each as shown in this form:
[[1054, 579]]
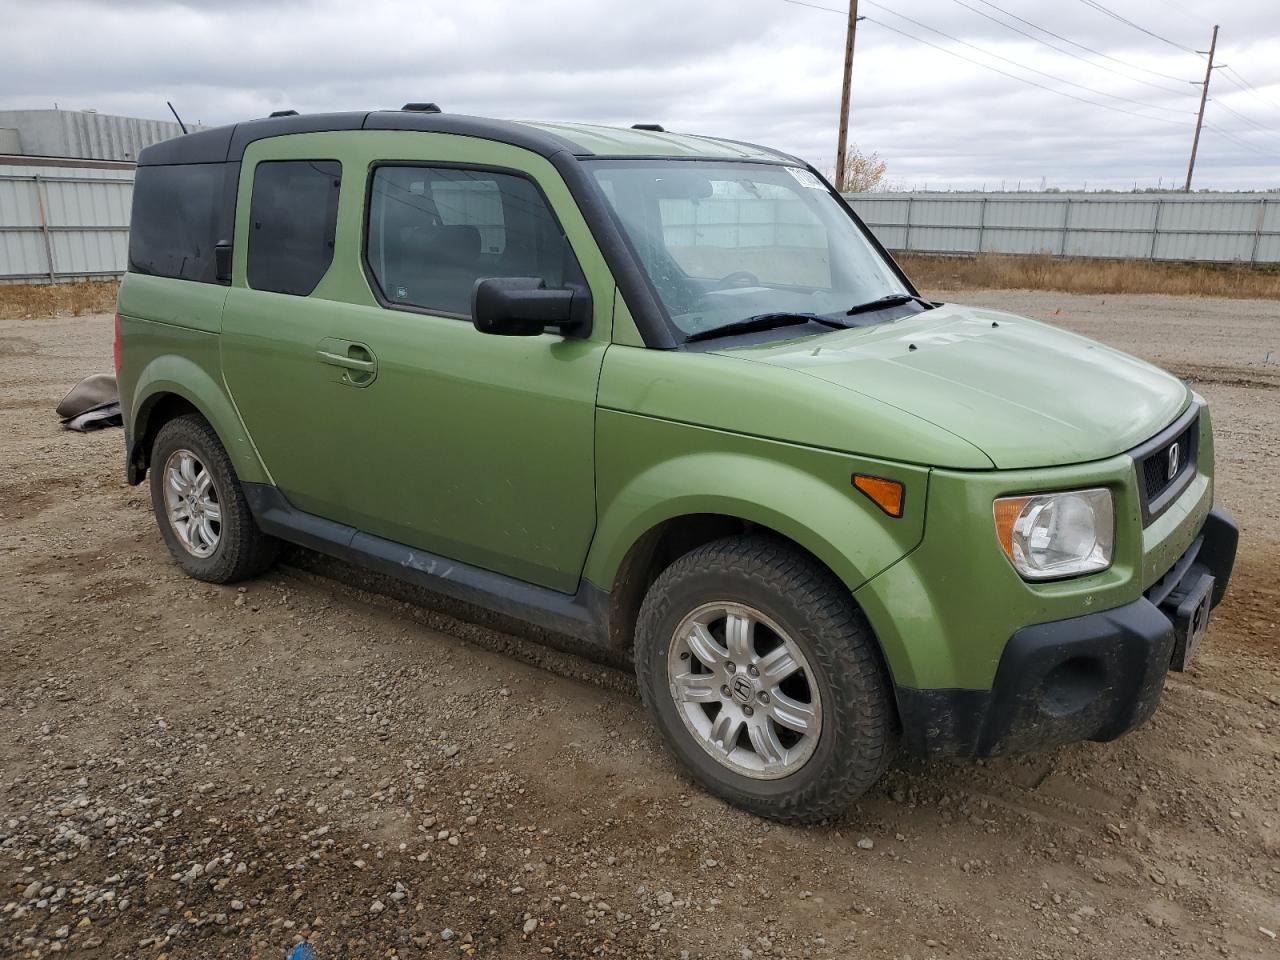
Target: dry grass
[[21, 301], [1043, 272], [986, 272]]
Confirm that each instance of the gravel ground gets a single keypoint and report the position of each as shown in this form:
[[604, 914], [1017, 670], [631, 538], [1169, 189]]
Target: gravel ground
[[198, 771]]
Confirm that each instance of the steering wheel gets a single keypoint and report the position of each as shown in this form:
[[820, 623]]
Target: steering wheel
[[739, 278]]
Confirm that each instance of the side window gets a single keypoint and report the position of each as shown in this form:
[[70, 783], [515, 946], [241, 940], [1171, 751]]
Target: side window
[[292, 219], [434, 231], [178, 212]]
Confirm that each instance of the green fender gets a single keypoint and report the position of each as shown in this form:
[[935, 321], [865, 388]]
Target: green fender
[[651, 471], [170, 374]]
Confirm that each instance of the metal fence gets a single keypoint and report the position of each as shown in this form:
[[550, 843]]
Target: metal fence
[[67, 219], [63, 220], [1219, 228]]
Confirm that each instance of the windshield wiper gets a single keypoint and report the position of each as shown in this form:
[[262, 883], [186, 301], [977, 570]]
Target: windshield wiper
[[892, 300], [762, 321]]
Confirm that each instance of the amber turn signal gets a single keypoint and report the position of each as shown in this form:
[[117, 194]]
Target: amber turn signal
[[1007, 510], [888, 495]]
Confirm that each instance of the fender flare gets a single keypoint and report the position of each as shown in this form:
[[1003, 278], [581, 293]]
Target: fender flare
[[835, 525], [171, 375]]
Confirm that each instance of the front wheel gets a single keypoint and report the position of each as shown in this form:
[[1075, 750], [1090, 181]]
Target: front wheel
[[765, 680]]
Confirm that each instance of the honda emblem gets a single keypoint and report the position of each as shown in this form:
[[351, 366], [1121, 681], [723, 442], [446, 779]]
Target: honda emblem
[[1174, 459]]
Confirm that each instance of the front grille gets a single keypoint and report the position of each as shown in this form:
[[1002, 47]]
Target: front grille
[[1167, 463], [1155, 468]]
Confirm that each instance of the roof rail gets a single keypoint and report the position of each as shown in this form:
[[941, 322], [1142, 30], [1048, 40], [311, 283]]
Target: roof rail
[[653, 127], [283, 113], [422, 108]]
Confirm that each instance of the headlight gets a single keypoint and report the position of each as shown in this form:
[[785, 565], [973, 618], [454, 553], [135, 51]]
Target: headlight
[[1057, 534]]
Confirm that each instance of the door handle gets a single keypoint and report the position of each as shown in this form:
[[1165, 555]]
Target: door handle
[[358, 364], [351, 363]]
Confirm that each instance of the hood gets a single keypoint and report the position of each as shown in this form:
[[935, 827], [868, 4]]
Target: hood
[[1026, 393]]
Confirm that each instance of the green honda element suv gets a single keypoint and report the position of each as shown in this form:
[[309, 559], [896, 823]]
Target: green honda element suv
[[667, 398]]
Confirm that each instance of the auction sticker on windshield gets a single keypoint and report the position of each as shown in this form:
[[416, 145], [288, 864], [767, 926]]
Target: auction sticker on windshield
[[805, 178]]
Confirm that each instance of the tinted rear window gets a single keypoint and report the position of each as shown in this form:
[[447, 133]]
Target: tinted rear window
[[179, 213], [292, 220]]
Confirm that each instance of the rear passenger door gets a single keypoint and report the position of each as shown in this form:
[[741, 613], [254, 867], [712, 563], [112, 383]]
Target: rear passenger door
[[274, 316], [423, 430]]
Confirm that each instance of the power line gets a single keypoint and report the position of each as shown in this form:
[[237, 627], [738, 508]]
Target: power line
[[1248, 120], [1051, 46], [1094, 5], [1238, 142], [1061, 93], [1099, 53], [1174, 3], [1106, 106], [1011, 76], [1023, 66], [1233, 76], [985, 66]]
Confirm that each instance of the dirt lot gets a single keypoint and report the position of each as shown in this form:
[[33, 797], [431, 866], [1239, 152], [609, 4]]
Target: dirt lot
[[194, 771]]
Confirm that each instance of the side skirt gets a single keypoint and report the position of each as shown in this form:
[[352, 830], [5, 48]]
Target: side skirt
[[582, 616]]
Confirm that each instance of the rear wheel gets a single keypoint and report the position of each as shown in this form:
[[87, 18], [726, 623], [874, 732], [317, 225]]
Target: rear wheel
[[764, 679], [200, 508]]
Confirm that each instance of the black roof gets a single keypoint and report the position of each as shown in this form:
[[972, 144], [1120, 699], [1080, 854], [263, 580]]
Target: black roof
[[222, 144]]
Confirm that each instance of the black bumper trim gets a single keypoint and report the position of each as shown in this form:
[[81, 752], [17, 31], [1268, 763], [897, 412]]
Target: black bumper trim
[[580, 616], [1086, 678], [1092, 677], [1217, 553]]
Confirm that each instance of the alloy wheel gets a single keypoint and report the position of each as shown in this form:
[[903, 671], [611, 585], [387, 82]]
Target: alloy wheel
[[744, 690], [192, 504]]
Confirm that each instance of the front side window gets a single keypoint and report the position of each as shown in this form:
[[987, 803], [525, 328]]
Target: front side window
[[723, 241], [434, 231], [293, 219]]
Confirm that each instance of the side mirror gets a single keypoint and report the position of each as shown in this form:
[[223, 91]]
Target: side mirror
[[222, 261], [525, 307]]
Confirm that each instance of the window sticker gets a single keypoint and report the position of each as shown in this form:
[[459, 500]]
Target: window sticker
[[805, 178]]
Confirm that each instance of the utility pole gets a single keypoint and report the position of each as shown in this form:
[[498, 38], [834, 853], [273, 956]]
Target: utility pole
[[1204, 96], [842, 144]]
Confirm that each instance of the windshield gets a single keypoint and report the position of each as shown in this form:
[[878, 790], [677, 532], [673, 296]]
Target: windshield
[[724, 241]]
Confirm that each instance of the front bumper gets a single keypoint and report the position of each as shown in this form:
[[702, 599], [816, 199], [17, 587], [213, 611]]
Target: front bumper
[[1091, 677]]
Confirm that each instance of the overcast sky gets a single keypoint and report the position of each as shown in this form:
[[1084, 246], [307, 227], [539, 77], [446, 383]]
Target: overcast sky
[[767, 71]]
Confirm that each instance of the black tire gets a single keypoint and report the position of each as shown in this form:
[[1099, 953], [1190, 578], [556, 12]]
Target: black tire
[[858, 734], [242, 550]]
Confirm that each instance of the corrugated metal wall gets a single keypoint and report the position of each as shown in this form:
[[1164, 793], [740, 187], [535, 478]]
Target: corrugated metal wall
[[1220, 228], [83, 133], [63, 222]]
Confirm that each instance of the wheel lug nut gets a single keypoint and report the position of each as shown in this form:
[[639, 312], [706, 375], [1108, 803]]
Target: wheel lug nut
[[753, 671], [724, 691], [748, 711], [731, 667], [764, 697]]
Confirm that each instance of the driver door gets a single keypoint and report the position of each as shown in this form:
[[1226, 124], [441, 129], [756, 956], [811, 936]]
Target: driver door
[[422, 430]]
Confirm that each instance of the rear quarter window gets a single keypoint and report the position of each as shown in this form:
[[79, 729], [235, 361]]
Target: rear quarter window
[[179, 214], [293, 219]]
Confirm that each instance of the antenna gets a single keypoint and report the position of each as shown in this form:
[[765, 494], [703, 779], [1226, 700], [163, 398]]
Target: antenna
[[176, 117]]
